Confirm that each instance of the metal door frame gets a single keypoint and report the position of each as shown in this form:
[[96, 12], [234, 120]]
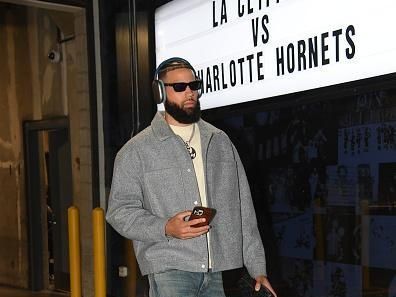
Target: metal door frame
[[31, 130]]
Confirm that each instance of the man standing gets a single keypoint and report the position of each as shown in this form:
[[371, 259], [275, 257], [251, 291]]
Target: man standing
[[177, 163]]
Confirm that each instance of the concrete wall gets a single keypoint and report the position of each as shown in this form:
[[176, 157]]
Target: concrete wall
[[15, 105], [81, 147], [33, 88]]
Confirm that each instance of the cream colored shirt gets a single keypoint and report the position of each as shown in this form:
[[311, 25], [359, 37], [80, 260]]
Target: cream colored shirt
[[185, 133]]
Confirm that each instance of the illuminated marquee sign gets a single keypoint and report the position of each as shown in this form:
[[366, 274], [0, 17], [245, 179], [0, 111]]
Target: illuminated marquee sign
[[246, 50]]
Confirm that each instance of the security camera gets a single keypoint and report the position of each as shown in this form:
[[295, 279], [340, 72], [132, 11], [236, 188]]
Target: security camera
[[54, 56]]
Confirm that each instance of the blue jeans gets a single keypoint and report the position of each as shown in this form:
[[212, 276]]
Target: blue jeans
[[177, 283]]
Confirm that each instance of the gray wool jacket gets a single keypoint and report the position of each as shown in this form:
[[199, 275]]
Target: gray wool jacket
[[154, 179]]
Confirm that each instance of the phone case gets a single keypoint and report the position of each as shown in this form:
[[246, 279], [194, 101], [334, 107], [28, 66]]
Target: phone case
[[202, 212]]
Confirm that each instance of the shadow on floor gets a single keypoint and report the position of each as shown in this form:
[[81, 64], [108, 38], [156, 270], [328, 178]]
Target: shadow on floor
[[14, 292]]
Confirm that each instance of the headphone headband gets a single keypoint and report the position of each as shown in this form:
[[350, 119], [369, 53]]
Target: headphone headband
[[168, 62]]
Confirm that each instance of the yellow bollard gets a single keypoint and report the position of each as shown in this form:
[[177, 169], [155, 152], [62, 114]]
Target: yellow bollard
[[99, 252], [74, 251]]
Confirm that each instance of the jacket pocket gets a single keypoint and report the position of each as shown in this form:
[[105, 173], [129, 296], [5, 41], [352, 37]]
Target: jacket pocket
[[164, 192], [223, 182]]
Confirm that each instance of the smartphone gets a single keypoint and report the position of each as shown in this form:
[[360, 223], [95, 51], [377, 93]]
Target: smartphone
[[202, 212], [247, 284]]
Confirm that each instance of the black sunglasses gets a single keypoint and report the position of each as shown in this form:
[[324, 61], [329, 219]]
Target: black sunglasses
[[194, 85]]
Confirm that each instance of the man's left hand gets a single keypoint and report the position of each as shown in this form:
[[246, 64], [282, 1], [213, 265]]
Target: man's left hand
[[262, 280]]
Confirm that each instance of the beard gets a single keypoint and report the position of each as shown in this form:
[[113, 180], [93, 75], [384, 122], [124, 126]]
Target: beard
[[183, 116]]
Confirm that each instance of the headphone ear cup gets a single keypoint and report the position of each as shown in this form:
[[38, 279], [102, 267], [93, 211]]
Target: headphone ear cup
[[200, 90], [199, 93], [159, 92]]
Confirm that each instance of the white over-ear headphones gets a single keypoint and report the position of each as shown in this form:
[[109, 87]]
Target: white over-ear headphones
[[158, 86]]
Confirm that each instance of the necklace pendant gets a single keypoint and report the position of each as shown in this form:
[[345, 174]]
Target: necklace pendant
[[190, 150]]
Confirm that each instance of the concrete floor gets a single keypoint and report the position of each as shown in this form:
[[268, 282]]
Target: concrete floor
[[13, 292]]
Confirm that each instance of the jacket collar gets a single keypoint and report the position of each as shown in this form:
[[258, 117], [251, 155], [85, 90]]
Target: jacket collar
[[162, 130]]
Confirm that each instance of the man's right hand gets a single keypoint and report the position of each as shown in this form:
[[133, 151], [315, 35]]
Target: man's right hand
[[178, 227]]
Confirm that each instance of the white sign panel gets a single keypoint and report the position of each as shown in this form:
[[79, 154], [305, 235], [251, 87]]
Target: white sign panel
[[253, 49]]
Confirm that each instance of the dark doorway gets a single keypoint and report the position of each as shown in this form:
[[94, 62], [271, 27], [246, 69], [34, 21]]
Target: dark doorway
[[49, 194]]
